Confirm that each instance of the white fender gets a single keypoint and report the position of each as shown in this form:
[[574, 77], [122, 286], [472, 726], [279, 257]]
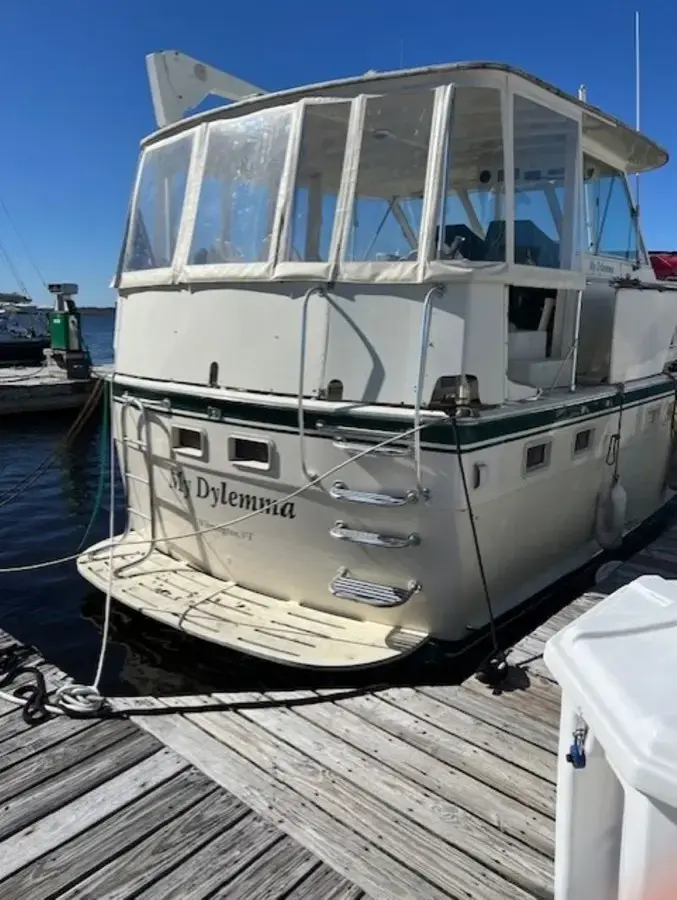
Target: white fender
[[612, 504]]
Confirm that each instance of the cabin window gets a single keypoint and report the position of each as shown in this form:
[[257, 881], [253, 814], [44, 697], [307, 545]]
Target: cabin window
[[189, 441], [609, 211], [545, 144], [155, 218], [386, 214], [537, 456], [582, 441], [250, 454], [239, 190], [472, 221], [323, 146]]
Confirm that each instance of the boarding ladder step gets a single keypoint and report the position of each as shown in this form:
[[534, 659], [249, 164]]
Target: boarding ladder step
[[358, 440], [130, 476], [132, 443], [144, 446], [137, 512], [342, 532], [347, 587], [340, 491]]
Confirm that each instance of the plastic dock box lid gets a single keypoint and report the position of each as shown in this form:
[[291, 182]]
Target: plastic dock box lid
[[617, 664]]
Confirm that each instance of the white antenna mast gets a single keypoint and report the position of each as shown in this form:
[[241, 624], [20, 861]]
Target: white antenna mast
[[637, 101], [179, 83]]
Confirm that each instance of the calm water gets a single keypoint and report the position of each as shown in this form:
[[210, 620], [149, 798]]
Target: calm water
[[61, 614]]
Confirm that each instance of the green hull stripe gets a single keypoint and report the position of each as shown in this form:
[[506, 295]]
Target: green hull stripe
[[472, 431]]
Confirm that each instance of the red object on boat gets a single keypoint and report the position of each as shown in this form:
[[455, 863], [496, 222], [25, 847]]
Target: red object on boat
[[664, 264]]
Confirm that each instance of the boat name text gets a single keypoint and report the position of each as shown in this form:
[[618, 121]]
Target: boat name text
[[222, 494]]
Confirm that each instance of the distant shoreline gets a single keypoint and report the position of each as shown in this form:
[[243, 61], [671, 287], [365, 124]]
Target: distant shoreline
[[86, 310]]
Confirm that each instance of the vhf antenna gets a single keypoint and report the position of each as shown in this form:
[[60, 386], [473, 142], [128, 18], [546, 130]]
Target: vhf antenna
[[637, 102]]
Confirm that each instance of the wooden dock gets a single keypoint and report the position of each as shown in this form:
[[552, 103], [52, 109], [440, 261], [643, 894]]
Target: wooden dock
[[100, 809], [41, 389], [425, 791]]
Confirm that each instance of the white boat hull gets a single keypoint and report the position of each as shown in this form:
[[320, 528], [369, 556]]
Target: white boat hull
[[532, 528]]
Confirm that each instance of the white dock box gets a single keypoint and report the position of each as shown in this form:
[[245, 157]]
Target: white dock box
[[616, 831]]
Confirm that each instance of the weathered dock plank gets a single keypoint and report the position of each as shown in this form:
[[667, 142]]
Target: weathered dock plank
[[168, 846], [225, 857], [316, 818], [431, 790], [99, 808], [455, 752]]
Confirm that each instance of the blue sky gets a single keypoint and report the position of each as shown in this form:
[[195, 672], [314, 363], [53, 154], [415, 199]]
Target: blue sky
[[76, 99]]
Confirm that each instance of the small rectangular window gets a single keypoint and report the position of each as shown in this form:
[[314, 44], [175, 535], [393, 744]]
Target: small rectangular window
[[537, 456], [251, 454], [189, 441], [583, 440]]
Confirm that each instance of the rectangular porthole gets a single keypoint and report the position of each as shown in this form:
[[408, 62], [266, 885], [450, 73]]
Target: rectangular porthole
[[189, 442], [537, 457], [250, 453], [582, 441]]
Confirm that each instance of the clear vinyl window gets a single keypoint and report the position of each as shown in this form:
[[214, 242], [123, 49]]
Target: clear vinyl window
[[239, 190], [388, 202], [158, 206], [318, 179], [472, 221], [611, 220], [545, 146]]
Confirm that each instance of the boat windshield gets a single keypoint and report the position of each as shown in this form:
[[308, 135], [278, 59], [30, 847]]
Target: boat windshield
[[360, 183], [158, 205]]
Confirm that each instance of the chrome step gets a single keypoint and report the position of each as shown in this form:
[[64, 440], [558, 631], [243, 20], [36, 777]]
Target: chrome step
[[133, 443], [164, 405], [141, 515], [341, 532], [340, 491], [374, 450], [132, 477], [344, 586], [356, 440]]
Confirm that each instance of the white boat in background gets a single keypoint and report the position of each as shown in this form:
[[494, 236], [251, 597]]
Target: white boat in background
[[24, 331], [408, 362]]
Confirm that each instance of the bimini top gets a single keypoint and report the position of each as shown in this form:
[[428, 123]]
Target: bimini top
[[641, 153]]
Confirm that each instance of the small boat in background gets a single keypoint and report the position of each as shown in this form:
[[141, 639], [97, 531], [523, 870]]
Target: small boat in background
[[24, 331]]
